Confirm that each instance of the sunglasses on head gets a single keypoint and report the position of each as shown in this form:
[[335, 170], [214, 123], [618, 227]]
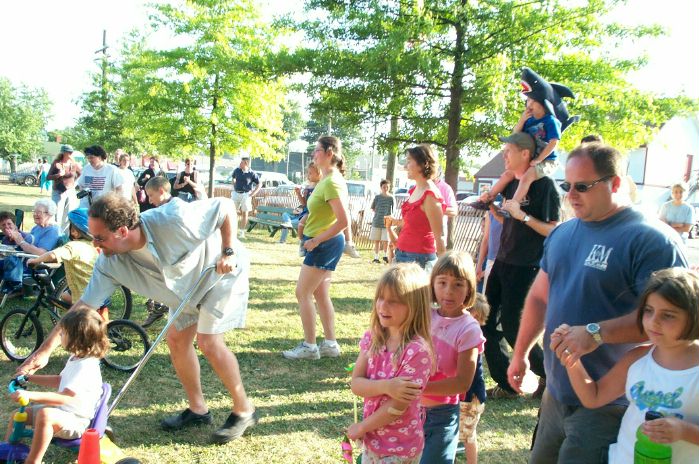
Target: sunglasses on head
[[582, 187]]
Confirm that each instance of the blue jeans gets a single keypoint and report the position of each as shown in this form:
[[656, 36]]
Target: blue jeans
[[424, 260], [294, 220], [441, 434], [12, 269]]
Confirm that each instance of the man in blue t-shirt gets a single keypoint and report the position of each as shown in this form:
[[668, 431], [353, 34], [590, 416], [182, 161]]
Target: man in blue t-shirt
[[246, 183], [593, 270]]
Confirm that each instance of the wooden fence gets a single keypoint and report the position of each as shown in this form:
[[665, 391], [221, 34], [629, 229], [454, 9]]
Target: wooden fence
[[467, 225]]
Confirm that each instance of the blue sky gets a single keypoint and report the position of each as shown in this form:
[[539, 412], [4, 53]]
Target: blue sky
[[52, 43]]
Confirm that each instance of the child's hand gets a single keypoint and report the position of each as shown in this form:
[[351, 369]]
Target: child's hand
[[402, 389], [19, 394], [355, 432], [665, 430]]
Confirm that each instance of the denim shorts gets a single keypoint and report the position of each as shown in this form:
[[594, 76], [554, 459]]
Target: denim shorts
[[441, 434], [326, 255], [424, 260]]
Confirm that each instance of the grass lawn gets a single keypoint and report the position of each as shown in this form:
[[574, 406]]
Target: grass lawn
[[305, 406]]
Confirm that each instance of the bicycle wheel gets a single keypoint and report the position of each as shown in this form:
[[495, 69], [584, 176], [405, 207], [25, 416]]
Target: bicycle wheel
[[20, 334], [128, 343], [119, 303]]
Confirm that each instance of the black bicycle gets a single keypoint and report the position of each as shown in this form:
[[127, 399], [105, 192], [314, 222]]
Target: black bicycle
[[21, 331]]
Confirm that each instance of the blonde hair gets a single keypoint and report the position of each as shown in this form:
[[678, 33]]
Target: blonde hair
[[480, 309], [409, 284], [459, 265]]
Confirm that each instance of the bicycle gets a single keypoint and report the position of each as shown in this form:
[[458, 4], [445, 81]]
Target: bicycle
[[21, 331]]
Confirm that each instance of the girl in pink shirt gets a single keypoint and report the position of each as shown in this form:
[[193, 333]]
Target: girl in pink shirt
[[395, 354], [457, 340]]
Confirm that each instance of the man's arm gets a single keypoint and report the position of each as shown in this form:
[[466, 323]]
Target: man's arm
[[530, 329], [539, 226], [226, 264]]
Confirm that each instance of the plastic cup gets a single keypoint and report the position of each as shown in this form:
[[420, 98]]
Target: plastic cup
[[530, 382]]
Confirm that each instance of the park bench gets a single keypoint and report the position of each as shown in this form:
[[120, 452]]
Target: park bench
[[271, 218]]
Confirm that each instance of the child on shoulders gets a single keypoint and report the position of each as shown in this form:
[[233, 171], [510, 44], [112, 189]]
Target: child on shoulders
[[661, 377], [67, 412], [395, 356], [546, 131]]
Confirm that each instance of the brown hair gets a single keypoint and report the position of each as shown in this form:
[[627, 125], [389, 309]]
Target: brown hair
[[115, 211], [158, 182], [480, 309], [7, 215], [329, 142], [606, 160], [86, 331], [680, 287], [424, 156], [459, 265]]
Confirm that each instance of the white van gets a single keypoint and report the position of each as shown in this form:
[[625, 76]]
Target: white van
[[270, 179]]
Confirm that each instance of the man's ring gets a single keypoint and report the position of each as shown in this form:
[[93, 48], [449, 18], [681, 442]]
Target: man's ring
[[567, 351]]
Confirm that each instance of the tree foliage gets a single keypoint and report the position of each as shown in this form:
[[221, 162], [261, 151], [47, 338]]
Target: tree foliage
[[213, 91], [446, 72], [23, 116]]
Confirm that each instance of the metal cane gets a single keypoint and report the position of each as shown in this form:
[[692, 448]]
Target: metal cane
[[170, 321]]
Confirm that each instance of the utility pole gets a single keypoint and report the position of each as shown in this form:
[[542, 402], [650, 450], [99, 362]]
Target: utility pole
[[103, 102]]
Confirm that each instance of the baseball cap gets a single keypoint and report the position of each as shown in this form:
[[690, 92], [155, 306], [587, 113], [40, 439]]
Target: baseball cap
[[522, 140], [67, 148]]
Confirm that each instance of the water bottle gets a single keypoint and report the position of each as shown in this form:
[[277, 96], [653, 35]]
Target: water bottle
[[646, 451]]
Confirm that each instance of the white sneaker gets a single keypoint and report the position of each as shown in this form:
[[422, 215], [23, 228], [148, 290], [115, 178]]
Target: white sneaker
[[329, 351], [352, 251], [241, 234], [302, 351]]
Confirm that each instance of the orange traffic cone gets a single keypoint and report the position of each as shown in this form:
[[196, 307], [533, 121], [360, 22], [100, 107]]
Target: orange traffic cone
[[89, 448]]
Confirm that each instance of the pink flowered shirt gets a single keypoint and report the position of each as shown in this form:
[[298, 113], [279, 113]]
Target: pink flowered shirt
[[451, 336], [404, 436]]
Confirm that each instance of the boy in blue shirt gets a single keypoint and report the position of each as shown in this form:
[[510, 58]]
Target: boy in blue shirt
[[546, 130]]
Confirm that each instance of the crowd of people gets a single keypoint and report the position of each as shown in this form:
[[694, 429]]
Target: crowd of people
[[601, 307]]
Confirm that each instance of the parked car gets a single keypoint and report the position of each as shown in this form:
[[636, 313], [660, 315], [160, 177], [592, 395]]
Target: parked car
[[462, 195], [24, 176]]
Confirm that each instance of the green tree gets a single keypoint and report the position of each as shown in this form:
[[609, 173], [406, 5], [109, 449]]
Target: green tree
[[446, 72], [23, 116], [213, 92]]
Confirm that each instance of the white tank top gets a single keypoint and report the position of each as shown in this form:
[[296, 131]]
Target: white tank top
[[650, 386]]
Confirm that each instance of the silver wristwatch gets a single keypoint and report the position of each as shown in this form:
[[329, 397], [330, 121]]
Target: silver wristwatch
[[593, 329]]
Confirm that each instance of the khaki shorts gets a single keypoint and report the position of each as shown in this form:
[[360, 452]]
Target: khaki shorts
[[469, 416], [243, 201], [72, 426], [378, 234], [546, 168], [207, 323]]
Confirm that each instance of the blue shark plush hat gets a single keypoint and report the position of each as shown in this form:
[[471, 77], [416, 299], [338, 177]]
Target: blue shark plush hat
[[550, 95], [78, 217]]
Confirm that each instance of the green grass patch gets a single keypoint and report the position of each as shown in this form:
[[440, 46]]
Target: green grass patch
[[305, 406]]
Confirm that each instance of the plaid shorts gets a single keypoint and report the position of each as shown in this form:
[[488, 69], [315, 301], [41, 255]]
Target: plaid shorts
[[469, 416]]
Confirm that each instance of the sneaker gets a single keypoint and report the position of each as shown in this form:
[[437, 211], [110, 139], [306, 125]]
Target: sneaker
[[376, 261], [155, 312], [385, 259], [499, 393], [480, 205], [329, 351], [233, 428], [185, 419], [351, 251], [302, 351]]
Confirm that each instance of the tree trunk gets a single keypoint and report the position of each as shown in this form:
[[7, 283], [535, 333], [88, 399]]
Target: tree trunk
[[392, 150], [451, 173], [213, 140]]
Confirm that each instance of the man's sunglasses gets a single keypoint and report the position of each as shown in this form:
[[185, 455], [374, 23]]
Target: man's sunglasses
[[581, 187]]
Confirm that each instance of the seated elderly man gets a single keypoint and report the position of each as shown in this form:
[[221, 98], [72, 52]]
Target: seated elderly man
[[42, 238]]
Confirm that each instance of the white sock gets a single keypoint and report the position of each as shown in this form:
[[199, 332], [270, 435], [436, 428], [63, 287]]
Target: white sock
[[312, 346], [330, 342], [376, 256]]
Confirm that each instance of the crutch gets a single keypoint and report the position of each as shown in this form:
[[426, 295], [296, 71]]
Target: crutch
[[154, 345]]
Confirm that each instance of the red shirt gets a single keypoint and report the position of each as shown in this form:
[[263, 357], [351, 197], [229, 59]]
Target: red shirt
[[416, 235]]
